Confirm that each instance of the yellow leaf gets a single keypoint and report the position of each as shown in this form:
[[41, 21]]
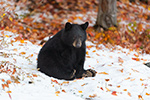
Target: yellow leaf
[[7, 36], [149, 8], [80, 91], [3, 15], [57, 92], [108, 89], [21, 41], [10, 18], [141, 79]]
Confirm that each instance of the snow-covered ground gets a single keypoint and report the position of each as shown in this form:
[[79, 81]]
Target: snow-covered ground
[[121, 74]]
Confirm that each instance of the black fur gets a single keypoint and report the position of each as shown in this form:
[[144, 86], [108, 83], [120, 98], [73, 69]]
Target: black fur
[[59, 58]]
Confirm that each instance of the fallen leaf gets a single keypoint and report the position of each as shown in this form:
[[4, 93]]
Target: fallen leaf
[[148, 94], [8, 82], [34, 75], [92, 96], [23, 53], [21, 41], [129, 94], [8, 92], [80, 91], [103, 73], [114, 93]]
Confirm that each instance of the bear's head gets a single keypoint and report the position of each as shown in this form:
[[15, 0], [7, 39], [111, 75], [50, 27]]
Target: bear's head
[[74, 34]]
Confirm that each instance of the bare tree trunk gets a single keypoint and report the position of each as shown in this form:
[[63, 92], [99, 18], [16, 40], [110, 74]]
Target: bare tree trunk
[[107, 14]]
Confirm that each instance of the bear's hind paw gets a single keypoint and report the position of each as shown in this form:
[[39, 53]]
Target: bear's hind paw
[[89, 73]]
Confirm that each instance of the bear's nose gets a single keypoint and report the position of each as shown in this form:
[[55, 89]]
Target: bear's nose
[[77, 43]]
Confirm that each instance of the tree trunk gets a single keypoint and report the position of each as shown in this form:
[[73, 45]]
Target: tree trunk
[[107, 14]]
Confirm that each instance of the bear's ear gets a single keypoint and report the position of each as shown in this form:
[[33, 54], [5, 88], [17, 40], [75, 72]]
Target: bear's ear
[[68, 26], [85, 25]]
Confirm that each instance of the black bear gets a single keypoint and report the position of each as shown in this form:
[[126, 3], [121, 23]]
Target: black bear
[[147, 64], [63, 55]]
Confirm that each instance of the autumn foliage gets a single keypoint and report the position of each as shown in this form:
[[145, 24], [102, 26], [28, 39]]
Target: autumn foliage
[[46, 17]]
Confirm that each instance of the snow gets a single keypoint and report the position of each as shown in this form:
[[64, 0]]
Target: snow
[[119, 77]]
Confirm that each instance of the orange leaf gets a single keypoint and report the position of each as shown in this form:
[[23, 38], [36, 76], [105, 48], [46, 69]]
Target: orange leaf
[[136, 55], [140, 27], [69, 20], [21, 41], [120, 60], [141, 79], [5, 85], [94, 50], [87, 52], [129, 94], [8, 81], [31, 55], [88, 56], [23, 53], [137, 59], [8, 92], [89, 47], [3, 80], [15, 49], [140, 97], [125, 90], [118, 86], [21, 28], [66, 82], [127, 78], [34, 75], [103, 73], [14, 70], [54, 81], [148, 94], [92, 96]]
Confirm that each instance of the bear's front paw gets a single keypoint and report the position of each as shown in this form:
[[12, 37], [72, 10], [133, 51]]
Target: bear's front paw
[[89, 73]]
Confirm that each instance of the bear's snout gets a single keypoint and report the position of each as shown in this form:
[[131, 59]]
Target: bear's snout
[[77, 43]]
